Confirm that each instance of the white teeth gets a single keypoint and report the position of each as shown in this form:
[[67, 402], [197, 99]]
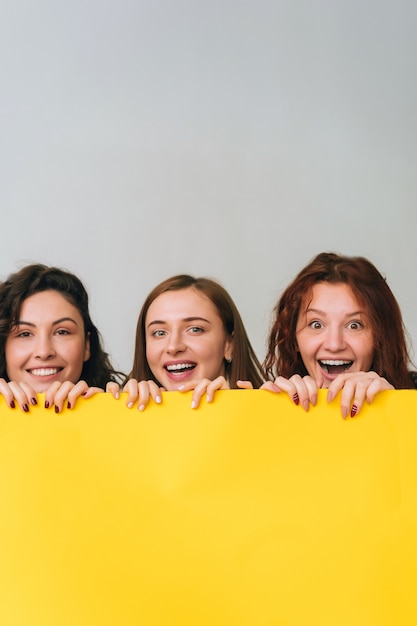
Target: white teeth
[[50, 371], [180, 366], [332, 362]]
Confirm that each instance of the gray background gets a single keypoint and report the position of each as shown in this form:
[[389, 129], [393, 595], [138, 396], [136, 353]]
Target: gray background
[[232, 139]]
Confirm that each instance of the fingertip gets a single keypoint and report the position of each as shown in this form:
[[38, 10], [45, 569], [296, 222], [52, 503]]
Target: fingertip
[[141, 407], [158, 399], [306, 405], [193, 404], [129, 405]]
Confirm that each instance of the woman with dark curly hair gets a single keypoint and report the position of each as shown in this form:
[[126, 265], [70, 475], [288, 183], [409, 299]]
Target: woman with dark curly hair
[[338, 326], [48, 342]]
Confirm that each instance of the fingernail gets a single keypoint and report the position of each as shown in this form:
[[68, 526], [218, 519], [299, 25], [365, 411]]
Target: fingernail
[[25, 408], [208, 399], [129, 405], [193, 404], [329, 396], [353, 410], [33, 401], [142, 407], [158, 399], [344, 412], [46, 404], [56, 409], [117, 396], [68, 405], [306, 405], [12, 404], [296, 399], [314, 400]]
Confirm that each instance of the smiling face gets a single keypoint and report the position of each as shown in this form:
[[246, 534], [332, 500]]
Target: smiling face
[[333, 333], [185, 338], [48, 343]]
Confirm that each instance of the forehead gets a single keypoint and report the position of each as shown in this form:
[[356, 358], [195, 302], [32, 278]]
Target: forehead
[[46, 305], [181, 304], [331, 297]]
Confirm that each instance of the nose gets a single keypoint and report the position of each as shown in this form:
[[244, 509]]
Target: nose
[[176, 343], [44, 349], [334, 339]]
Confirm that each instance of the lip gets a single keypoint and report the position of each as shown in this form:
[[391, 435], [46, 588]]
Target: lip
[[343, 364], [45, 373], [180, 370]]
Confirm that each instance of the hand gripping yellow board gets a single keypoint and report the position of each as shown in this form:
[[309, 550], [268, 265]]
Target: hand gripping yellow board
[[247, 511]]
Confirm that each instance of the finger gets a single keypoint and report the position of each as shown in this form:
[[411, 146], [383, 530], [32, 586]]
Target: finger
[[353, 396], [16, 393], [143, 394], [81, 389], [199, 390], [155, 391], [50, 394], [132, 389], [7, 393], [244, 384], [61, 394], [377, 385], [114, 389], [218, 383], [270, 386], [296, 389]]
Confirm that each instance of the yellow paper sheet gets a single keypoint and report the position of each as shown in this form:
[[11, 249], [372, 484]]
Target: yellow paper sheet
[[246, 512]]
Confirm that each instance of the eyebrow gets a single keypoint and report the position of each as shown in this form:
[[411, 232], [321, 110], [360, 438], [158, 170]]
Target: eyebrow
[[185, 319], [62, 319], [324, 313]]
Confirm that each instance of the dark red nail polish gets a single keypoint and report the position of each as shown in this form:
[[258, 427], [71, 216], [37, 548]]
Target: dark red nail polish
[[353, 411], [25, 408], [33, 401], [56, 409], [296, 399], [12, 404], [68, 405], [46, 404]]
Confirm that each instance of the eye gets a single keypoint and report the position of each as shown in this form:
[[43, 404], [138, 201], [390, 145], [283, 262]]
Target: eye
[[195, 330], [62, 331], [315, 325], [23, 334], [158, 333], [355, 325]]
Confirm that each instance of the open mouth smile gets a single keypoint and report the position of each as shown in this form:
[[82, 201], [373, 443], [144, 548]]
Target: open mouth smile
[[180, 368], [45, 371], [335, 366]]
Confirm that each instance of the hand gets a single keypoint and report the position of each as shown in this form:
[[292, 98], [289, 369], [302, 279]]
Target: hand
[[301, 390], [204, 386], [58, 392], [356, 388], [20, 392], [141, 391]]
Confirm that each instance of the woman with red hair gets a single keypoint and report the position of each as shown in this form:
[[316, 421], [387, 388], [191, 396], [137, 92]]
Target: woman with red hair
[[338, 326]]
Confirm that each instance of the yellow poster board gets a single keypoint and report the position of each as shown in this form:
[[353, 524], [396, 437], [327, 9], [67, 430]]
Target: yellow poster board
[[247, 512]]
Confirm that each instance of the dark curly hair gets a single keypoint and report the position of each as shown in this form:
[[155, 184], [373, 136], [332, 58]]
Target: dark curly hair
[[31, 279], [391, 359]]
